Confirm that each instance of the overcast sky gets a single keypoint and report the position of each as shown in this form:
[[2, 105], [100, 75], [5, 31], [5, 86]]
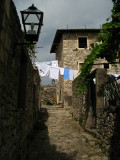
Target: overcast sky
[[58, 14]]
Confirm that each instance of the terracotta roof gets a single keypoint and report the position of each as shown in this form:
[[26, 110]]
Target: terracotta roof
[[59, 33]]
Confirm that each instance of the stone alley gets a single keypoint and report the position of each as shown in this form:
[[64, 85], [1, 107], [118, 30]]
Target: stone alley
[[62, 103], [57, 136]]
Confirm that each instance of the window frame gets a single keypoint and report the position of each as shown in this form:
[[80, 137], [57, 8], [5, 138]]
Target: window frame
[[79, 41]]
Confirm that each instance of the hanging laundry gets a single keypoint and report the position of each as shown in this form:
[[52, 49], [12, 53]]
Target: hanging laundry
[[37, 63], [51, 70], [48, 63], [54, 63], [43, 69], [71, 71], [76, 73], [66, 73], [54, 73], [61, 71]]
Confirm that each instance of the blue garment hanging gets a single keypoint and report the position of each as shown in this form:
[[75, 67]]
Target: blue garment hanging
[[71, 74], [66, 73]]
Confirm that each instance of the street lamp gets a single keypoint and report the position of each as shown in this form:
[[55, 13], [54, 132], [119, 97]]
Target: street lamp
[[32, 20]]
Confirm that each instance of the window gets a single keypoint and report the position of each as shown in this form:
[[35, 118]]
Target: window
[[82, 42], [80, 66], [106, 65]]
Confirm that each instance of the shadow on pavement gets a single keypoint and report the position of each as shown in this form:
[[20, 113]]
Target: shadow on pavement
[[39, 147]]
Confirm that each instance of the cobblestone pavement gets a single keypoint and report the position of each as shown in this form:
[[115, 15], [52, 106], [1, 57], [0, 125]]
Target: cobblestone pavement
[[57, 136]]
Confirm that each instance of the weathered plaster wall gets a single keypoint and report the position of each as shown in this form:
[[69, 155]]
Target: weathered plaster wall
[[19, 87]]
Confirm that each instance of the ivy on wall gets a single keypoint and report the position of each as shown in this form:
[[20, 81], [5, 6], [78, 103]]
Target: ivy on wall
[[30, 49], [109, 48]]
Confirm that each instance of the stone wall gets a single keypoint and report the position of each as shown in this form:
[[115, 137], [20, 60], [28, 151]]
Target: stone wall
[[36, 93], [86, 106], [59, 90], [108, 129], [110, 125], [48, 94], [60, 81], [96, 116], [79, 104], [19, 86]]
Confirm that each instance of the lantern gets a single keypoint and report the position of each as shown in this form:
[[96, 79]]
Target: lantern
[[32, 20]]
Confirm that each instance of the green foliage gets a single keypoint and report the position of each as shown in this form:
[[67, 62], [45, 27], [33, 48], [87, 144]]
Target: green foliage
[[42, 88], [30, 49], [111, 89], [75, 118], [109, 48], [48, 102]]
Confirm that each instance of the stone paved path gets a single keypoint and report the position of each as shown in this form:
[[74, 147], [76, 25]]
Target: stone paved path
[[58, 137]]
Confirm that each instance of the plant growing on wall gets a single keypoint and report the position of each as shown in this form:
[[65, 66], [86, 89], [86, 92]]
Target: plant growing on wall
[[30, 49], [111, 89], [47, 102], [109, 48]]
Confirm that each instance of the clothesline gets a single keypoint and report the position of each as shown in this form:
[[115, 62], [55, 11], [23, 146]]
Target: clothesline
[[51, 70]]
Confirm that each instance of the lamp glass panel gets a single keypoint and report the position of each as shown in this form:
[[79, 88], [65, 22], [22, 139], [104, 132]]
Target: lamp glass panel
[[27, 27], [30, 31], [36, 28], [32, 18], [39, 15], [25, 15]]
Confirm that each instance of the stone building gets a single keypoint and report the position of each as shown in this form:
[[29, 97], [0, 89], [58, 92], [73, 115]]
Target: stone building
[[72, 47]]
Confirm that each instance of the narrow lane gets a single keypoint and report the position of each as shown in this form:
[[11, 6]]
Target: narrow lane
[[57, 136]]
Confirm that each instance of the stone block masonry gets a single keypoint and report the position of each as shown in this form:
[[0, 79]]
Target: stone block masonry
[[71, 56], [19, 87], [79, 104], [99, 118]]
